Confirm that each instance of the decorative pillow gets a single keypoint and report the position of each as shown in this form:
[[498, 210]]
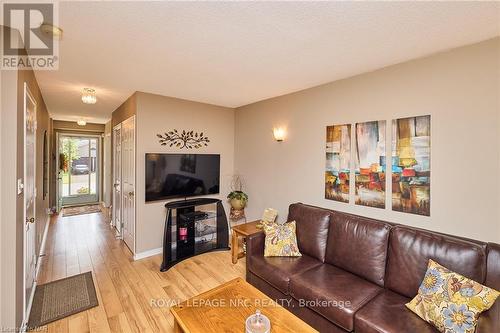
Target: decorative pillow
[[281, 240], [449, 301]]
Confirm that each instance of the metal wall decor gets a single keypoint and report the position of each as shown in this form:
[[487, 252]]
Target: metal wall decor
[[184, 139]]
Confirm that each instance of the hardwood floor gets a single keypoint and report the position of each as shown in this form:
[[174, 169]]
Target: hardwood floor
[[127, 290]]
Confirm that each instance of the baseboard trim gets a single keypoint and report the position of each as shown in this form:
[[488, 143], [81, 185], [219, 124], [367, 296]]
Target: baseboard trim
[[150, 253]]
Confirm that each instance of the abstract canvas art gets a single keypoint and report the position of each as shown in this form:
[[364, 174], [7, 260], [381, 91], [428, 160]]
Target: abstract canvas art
[[338, 160], [411, 147], [370, 166]]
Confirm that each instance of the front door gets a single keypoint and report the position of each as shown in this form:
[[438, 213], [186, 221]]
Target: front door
[[78, 169], [128, 182], [29, 199], [117, 179]]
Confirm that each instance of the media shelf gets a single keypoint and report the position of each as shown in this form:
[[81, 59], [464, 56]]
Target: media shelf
[[193, 227]]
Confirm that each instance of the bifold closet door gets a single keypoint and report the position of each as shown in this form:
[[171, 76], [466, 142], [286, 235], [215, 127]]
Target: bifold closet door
[[128, 182]]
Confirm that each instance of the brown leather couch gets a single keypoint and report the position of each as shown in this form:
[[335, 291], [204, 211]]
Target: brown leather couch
[[357, 273]]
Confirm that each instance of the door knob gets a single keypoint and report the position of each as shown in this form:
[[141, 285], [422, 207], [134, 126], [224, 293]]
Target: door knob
[[30, 220], [131, 194]]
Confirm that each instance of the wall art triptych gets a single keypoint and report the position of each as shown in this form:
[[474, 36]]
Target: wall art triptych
[[409, 167]]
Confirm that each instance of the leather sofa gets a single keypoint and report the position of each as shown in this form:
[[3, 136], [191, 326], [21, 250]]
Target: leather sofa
[[356, 273]]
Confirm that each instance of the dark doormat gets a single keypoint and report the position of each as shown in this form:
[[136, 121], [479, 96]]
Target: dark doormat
[[62, 298]]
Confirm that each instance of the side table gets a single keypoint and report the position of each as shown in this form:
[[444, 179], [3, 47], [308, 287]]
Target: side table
[[242, 230]]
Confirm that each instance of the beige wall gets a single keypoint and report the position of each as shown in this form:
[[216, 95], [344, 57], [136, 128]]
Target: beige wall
[[157, 114], [8, 175], [73, 126], [459, 88], [124, 111]]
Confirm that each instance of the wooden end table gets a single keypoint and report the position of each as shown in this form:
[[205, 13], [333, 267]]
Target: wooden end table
[[242, 230], [226, 307]]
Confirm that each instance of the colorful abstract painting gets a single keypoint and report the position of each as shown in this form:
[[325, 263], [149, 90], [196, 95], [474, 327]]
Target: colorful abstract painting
[[338, 160], [411, 150], [370, 164]]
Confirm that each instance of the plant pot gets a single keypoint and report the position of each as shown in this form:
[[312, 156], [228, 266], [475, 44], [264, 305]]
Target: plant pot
[[237, 204]]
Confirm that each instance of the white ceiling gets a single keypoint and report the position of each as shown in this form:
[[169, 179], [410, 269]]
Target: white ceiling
[[236, 53]]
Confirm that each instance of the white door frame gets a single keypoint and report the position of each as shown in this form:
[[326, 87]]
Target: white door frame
[[27, 302], [98, 166]]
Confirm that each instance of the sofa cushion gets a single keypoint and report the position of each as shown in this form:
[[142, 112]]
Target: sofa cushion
[[332, 292], [410, 250], [489, 321], [445, 295], [358, 245], [278, 270], [312, 229], [387, 313], [281, 240]]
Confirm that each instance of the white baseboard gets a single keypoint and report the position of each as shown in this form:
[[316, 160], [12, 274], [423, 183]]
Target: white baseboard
[[150, 253]]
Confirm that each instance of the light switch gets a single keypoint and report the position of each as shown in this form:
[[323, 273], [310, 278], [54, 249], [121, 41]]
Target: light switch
[[20, 186]]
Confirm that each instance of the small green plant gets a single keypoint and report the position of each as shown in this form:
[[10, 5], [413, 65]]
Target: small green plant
[[237, 190], [238, 195]]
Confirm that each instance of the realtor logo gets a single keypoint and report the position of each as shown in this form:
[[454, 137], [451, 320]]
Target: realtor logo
[[26, 19]]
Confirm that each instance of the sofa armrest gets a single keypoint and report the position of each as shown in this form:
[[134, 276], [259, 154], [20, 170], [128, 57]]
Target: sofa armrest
[[255, 246]]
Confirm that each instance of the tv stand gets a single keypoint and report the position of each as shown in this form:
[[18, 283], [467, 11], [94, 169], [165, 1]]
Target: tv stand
[[193, 227]]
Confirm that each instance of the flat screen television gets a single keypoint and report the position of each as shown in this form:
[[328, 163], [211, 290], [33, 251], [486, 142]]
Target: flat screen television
[[181, 175]]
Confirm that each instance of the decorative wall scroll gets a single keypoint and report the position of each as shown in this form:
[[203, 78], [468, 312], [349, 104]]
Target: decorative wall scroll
[[184, 139], [370, 164], [411, 150], [338, 160]]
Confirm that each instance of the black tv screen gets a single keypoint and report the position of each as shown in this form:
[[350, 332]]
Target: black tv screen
[[181, 175]]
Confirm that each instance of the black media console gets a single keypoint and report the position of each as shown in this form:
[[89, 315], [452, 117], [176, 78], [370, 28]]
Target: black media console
[[193, 227]]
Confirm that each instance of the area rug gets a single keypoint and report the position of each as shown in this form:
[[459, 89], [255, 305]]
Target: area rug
[[70, 211], [62, 298]]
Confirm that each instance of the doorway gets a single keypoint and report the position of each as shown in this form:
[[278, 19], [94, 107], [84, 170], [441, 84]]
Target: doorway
[[79, 172]]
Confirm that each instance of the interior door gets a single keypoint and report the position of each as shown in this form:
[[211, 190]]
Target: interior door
[[128, 181], [29, 198], [117, 178]]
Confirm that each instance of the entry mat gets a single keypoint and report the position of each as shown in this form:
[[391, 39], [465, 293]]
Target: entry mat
[[62, 298], [88, 209]]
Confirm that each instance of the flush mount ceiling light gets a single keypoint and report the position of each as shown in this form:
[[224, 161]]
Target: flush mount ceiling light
[[81, 122], [88, 96], [51, 30]]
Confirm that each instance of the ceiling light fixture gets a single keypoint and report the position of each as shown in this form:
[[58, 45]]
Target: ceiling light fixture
[[81, 122], [51, 30], [89, 96]]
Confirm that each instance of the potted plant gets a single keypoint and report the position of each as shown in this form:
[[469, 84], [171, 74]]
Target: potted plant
[[237, 198]]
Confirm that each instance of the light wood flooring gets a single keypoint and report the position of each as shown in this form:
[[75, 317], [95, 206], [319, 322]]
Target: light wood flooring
[[126, 289]]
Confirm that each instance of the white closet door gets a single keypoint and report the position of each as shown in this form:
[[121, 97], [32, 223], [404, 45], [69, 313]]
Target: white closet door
[[128, 182], [117, 178]]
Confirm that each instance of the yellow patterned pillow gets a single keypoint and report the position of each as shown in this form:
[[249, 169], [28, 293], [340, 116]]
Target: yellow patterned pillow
[[281, 240], [449, 301]]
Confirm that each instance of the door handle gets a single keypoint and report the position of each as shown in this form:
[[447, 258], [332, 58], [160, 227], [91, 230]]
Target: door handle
[[131, 194], [30, 220]]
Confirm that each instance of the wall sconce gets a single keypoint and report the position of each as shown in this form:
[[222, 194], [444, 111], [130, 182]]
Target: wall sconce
[[279, 134]]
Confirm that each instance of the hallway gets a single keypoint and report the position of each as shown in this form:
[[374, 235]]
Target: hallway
[[125, 288]]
